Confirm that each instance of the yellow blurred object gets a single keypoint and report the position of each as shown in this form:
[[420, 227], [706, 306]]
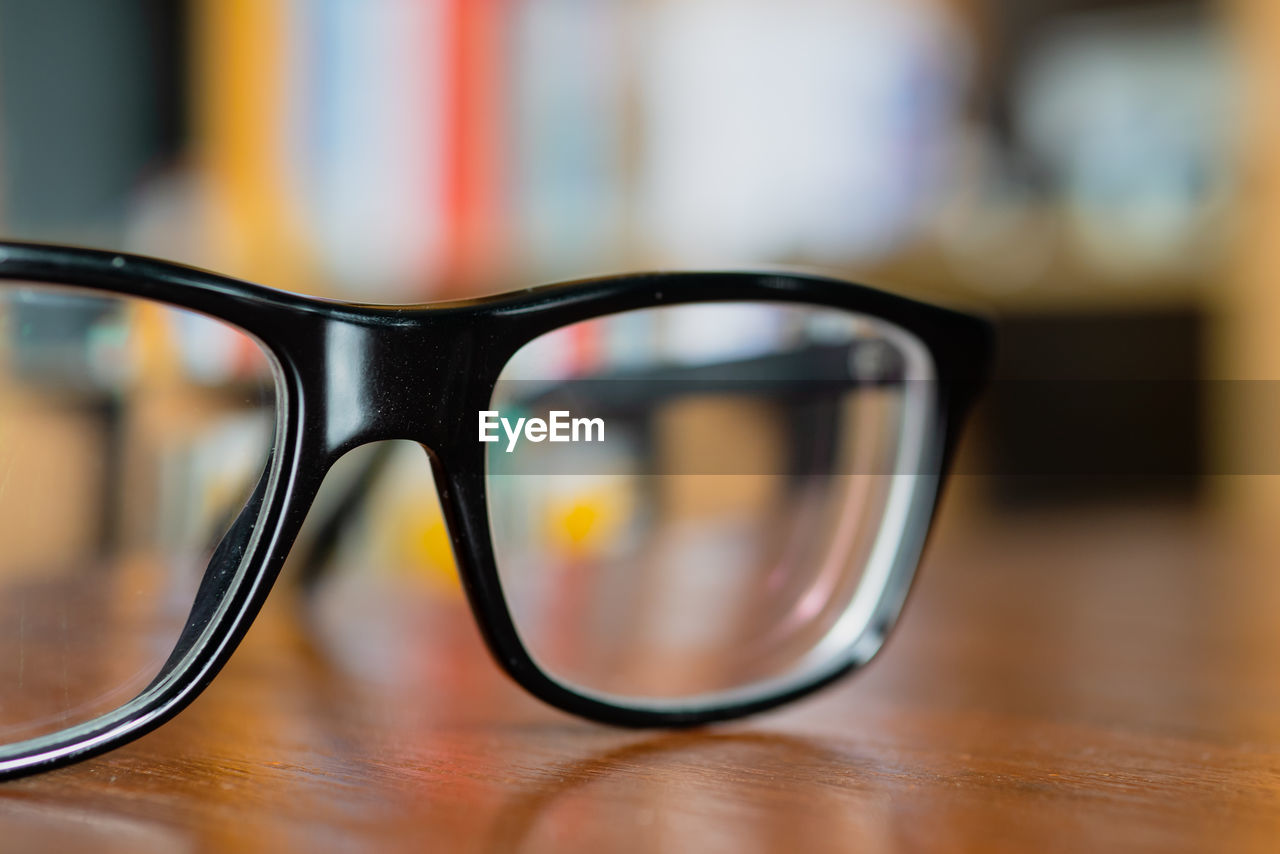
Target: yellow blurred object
[[1246, 410], [241, 53], [423, 546], [580, 522], [155, 351]]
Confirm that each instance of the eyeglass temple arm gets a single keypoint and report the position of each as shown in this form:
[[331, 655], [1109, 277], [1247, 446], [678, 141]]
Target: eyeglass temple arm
[[824, 368], [314, 557], [827, 366]]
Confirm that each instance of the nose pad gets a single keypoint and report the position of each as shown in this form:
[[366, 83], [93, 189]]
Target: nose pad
[[378, 507]]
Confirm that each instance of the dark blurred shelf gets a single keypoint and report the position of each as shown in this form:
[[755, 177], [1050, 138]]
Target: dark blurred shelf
[[1069, 284]]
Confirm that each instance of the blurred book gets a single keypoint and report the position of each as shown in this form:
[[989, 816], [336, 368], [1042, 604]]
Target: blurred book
[[92, 100], [568, 102], [368, 106], [810, 129]]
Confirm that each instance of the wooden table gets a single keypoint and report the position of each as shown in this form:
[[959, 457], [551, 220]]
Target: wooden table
[[1105, 681]]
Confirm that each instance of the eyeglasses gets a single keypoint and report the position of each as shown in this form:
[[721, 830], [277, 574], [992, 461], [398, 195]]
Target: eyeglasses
[[673, 498]]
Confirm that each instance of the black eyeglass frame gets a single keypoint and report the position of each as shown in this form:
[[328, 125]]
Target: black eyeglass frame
[[348, 374]]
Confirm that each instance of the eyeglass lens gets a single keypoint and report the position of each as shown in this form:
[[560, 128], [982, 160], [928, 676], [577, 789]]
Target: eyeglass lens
[[691, 503], [131, 434]]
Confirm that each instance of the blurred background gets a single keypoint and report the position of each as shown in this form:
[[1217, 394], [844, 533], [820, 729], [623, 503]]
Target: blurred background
[[1099, 175]]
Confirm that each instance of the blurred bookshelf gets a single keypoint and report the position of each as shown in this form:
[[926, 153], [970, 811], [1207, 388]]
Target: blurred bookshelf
[[1072, 158], [1030, 154]]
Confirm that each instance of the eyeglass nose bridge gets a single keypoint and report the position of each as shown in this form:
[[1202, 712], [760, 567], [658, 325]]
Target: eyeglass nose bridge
[[393, 374]]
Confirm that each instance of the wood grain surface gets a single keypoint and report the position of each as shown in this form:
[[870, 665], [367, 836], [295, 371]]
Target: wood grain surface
[[1105, 681]]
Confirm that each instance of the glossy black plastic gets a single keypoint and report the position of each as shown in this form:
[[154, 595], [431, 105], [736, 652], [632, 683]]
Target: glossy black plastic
[[349, 374]]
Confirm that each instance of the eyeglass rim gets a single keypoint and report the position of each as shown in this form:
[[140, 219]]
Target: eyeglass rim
[[291, 328]]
